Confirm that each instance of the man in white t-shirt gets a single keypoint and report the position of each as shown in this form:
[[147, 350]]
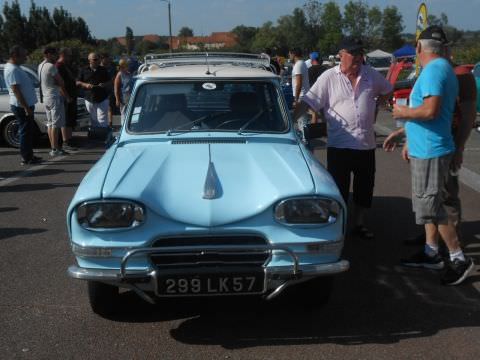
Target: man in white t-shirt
[[300, 85], [52, 93]]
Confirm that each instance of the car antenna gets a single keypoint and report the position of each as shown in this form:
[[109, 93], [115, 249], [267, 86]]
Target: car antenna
[[208, 65]]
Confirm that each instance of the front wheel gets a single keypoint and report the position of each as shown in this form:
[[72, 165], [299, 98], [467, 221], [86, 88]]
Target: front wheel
[[10, 132], [104, 299]]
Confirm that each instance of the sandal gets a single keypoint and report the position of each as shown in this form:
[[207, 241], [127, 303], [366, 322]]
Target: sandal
[[362, 232]]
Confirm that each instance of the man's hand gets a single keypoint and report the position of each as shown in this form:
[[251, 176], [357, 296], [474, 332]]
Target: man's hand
[[457, 160], [405, 155], [29, 111], [399, 111], [390, 142]]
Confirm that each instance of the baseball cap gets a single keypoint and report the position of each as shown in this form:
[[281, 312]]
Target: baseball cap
[[314, 55], [351, 44], [433, 32]]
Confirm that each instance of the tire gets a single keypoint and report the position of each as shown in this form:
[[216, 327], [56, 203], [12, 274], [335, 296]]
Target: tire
[[10, 132], [104, 299]]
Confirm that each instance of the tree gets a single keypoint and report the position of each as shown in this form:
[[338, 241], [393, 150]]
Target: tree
[[145, 47], [374, 27], [392, 27], [15, 26], [185, 32], [265, 38], [292, 30], [355, 18], [331, 20], [129, 40], [245, 36]]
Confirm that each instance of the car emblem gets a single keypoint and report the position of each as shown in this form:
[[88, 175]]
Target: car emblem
[[211, 189]]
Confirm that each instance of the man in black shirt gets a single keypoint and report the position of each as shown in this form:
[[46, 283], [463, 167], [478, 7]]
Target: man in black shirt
[[316, 69], [95, 80]]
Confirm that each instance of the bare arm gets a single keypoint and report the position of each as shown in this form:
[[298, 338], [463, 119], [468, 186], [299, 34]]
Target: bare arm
[[18, 94], [298, 87], [429, 110], [390, 142], [300, 109], [117, 89]]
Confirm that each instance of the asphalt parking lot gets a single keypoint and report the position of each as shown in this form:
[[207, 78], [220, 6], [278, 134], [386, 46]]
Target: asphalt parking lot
[[378, 309]]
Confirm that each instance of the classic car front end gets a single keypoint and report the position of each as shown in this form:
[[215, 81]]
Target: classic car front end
[[206, 192]]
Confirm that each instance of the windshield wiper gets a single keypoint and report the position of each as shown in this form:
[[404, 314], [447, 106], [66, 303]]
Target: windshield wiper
[[193, 122], [252, 120]]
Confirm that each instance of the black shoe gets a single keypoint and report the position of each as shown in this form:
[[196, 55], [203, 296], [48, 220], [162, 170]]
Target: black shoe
[[417, 240], [422, 260], [32, 161], [457, 271]]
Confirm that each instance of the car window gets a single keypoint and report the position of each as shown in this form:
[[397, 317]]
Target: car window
[[207, 106], [32, 78], [3, 85]]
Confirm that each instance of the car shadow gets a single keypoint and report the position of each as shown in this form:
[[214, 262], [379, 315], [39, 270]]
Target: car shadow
[[376, 302], [7, 209], [6, 233], [33, 187]]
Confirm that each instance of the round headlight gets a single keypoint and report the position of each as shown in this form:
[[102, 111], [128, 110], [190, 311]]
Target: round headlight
[[307, 211], [109, 215]]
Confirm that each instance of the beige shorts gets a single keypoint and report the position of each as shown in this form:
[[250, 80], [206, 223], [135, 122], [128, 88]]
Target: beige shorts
[[55, 111]]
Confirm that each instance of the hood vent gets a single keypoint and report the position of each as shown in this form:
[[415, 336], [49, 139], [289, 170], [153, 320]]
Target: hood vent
[[208, 141]]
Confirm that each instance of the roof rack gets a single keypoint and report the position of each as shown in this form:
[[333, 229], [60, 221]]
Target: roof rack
[[206, 58]]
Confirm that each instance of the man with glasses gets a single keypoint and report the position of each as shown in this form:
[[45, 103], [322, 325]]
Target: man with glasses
[[95, 80], [348, 94]]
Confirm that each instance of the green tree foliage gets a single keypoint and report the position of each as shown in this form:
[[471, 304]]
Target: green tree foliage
[[80, 51], [130, 40], [245, 36], [331, 20], [292, 30], [40, 28], [392, 27], [145, 47], [265, 37], [355, 18], [185, 32], [374, 27]]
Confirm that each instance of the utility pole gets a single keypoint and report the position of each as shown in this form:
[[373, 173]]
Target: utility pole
[[169, 23]]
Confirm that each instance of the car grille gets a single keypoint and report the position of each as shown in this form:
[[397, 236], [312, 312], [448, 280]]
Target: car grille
[[208, 141], [199, 258]]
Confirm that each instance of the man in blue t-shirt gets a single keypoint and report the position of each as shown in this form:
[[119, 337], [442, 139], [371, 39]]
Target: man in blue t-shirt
[[22, 102], [430, 147]]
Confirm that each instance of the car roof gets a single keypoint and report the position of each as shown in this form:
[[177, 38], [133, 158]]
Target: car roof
[[211, 72]]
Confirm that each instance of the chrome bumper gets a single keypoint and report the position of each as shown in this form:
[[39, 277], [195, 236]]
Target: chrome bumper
[[284, 275]]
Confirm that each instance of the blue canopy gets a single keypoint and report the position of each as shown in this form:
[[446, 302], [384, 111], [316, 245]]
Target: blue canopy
[[405, 51]]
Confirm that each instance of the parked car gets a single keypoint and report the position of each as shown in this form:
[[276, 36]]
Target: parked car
[[8, 123], [207, 191]]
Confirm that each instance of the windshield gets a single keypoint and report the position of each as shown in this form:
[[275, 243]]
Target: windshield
[[239, 106]]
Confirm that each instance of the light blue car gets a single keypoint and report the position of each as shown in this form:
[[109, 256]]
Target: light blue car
[[207, 191]]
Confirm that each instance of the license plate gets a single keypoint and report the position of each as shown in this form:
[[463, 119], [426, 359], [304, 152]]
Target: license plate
[[211, 284]]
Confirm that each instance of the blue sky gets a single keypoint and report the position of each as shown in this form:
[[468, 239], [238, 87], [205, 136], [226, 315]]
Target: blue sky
[[108, 18]]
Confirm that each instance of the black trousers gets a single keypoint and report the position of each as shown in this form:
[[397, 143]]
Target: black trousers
[[341, 163]]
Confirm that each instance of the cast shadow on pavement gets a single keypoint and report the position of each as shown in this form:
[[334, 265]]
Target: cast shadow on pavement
[[376, 302], [6, 233]]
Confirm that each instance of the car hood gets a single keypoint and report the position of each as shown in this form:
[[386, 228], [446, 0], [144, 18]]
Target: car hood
[[170, 178]]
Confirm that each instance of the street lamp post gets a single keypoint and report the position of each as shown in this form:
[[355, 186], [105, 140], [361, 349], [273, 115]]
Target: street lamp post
[[169, 22]]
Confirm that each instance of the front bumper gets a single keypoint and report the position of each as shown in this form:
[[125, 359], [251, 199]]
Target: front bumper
[[142, 281]]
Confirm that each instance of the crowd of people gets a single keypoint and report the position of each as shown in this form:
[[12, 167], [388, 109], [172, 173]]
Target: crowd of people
[[437, 122], [103, 87]]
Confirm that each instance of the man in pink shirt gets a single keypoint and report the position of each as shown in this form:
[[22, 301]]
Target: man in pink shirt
[[348, 95]]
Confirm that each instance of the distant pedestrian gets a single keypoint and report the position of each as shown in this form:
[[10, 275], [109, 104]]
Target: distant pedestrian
[[274, 65], [95, 80], [316, 69], [123, 87], [107, 63], [22, 101], [68, 75], [300, 86], [347, 95]]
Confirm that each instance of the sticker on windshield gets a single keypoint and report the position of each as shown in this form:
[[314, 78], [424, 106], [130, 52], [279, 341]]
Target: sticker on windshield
[[209, 86], [135, 118], [137, 110]]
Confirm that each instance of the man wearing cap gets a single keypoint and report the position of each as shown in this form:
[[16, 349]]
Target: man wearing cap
[[347, 95], [430, 147], [316, 68]]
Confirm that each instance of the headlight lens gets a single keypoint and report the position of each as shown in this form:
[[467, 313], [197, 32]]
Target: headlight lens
[[308, 211], [110, 215]]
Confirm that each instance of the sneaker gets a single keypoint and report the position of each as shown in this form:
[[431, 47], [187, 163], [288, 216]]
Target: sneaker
[[457, 271], [422, 260], [57, 152], [34, 160], [68, 147]]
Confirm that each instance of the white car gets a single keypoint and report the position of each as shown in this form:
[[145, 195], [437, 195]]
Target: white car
[[8, 122]]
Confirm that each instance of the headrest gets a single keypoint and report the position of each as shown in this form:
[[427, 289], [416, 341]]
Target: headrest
[[244, 102], [173, 102]]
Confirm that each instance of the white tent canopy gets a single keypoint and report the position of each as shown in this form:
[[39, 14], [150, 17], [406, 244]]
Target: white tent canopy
[[379, 54]]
